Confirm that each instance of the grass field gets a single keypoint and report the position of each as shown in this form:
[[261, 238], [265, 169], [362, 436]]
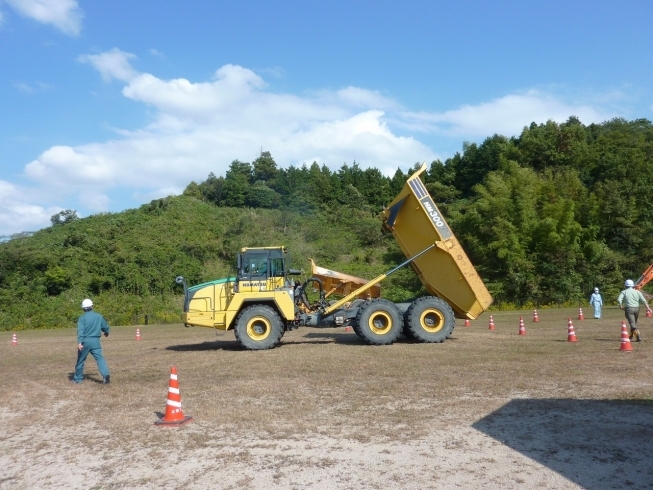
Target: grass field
[[485, 409]]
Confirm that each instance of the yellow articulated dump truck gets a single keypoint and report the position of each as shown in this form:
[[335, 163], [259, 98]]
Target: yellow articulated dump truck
[[261, 302]]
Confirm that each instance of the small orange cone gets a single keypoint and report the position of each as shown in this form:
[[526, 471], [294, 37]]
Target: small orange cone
[[626, 346], [174, 414], [349, 329], [571, 335], [522, 328], [580, 313], [536, 319], [14, 340], [467, 322], [491, 326], [138, 334]]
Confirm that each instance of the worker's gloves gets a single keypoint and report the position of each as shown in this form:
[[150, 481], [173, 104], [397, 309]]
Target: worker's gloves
[[106, 334]]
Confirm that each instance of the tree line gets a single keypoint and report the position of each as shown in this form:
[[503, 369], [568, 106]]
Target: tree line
[[544, 216]]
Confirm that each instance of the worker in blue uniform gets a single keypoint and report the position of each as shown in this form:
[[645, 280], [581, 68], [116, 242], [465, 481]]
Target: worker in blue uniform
[[90, 327], [597, 302]]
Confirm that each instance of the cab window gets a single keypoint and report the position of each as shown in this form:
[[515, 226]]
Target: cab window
[[255, 265], [277, 267]]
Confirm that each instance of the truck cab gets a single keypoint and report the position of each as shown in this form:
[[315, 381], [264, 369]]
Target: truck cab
[[258, 303], [261, 269]]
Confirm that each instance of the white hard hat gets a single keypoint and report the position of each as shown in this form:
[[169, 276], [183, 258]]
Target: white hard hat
[[629, 283], [596, 290], [87, 303]]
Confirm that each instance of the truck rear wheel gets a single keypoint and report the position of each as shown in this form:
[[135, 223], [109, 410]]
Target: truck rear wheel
[[430, 319], [379, 322], [258, 327]]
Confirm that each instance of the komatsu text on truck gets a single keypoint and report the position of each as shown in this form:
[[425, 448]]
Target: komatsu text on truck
[[260, 303]]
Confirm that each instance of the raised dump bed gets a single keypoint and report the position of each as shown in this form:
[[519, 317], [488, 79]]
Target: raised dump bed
[[445, 271]]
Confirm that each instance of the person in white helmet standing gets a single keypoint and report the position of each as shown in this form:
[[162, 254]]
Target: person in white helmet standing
[[90, 327], [597, 302], [629, 300]]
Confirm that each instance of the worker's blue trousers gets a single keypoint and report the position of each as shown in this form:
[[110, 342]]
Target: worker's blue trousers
[[92, 346], [597, 310]]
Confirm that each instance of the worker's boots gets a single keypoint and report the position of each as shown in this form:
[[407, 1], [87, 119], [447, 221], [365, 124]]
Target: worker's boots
[[638, 336], [632, 332]]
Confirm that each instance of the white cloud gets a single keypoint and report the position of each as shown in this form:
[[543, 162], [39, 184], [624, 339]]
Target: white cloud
[[65, 15], [16, 214], [94, 201], [506, 115], [24, 87], [200, 127], [30, 89], [111, 64]]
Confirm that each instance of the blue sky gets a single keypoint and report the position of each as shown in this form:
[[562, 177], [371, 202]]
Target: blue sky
[[107, 104]]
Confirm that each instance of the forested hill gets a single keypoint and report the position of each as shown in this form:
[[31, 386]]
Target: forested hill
[[544, 216]]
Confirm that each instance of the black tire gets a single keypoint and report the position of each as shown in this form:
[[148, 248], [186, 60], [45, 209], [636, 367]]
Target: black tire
[[429, 319], [354, 323], [379, 322], [258, 327], [357, 330], [406, 331]]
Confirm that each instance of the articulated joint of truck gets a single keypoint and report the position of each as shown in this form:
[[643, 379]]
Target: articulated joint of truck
[[373, 282]]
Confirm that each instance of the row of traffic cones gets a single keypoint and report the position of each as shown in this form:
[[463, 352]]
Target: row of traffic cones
[[14, 337], [571, 333], [536, 319], [522, 327]]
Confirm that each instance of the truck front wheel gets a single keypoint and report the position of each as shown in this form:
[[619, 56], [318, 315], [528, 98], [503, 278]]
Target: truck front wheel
[[379, 322], [258, 327], [430, 319]]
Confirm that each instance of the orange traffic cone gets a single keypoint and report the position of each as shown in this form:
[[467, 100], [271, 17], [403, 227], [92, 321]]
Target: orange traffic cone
[[571, 335], [14, 340], [536, 319], [580, 313], [626, 346], [491, 326], [522, 328], [138, 334], [467, 322], [174, 414]]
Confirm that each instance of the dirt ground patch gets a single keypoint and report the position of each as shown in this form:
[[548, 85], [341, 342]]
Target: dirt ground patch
[[485, 409]]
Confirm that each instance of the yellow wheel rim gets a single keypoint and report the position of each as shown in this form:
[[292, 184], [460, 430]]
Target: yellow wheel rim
[[431, 320], [380, 322], [258, 328]]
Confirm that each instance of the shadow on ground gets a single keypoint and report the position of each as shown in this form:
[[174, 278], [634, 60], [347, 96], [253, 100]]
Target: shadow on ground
[[310, 338], [350, 339], [229, 345], [594, 443]]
